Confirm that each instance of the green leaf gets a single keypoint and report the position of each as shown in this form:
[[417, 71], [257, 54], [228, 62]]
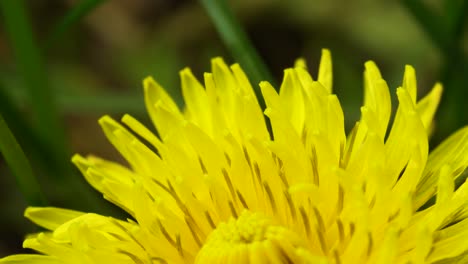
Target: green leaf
[[435, 26], [29, 62], [237, 41], [79, 11], [19, 165]]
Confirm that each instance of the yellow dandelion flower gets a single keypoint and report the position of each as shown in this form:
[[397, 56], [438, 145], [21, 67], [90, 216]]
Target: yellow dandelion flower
[[215, 187]]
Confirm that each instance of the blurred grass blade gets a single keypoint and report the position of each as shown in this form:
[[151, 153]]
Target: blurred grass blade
[[457, 12], [74, 15], [20, 128], [30, 66], [435, 26], [19, 165], [237, 41]]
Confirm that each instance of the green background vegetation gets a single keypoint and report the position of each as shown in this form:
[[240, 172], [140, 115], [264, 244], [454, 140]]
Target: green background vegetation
[[65, 63]]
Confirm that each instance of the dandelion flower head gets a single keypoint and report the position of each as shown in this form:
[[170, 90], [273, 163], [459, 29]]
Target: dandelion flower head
[[216, 185]]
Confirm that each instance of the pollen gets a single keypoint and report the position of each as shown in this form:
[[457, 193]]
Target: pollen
[[251, 238]]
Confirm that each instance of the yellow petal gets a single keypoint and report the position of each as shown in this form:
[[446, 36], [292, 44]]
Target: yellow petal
[[409, 82], [388, 250], [291, 97], [325, 75], [377, 97], [31, 259], [300, 63], [406, 137], [450, 242], [427, 106], [50, 217], [196, 100], [141, 130], [156, 95], [452, 152]]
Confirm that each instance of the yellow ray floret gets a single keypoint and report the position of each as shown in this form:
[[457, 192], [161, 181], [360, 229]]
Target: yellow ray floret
[[217, 186]]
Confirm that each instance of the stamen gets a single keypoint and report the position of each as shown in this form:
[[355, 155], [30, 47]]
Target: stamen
[[130, 234], [233, 210], [192, 231], [340, 226], [352, 228], [228, 159], [339, 204], [161, 185], [371, 244], [179, 245], [320, 230], [241, 199], [181, 205], [372, 202], [227, 179], [342, 149], [170, 190], [246, 155], [283, 178], [202, 165], [150, 196], [210, 220], [318, 216], [134, 258], [257, 172], [314, 163], [270, 196], [166, 234], [278, 161], [284, 256], [321, 238], [189, 219], [305, 220], [159, 260], [393, 216], [347, 154], [304, 135], [292, 208], [336, 255]]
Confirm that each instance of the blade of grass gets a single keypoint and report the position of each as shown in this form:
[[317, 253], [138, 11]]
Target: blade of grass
[[79, 11], [237, 41], [434, 26], [43, 106], [30, 65], [19, 165], [41, 155], [456, 13], [37, 150], [21, 129]]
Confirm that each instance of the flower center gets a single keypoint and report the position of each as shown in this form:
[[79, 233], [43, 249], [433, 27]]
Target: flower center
[[252, 238]]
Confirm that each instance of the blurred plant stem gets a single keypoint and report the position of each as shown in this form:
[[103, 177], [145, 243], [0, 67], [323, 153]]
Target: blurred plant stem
[[49, 134], [446, 33], [29, 61], [434, 26], [237, 41], [79, 11], [20, 167]]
